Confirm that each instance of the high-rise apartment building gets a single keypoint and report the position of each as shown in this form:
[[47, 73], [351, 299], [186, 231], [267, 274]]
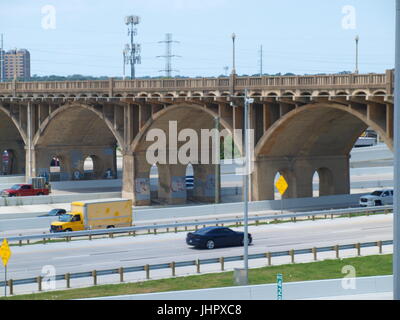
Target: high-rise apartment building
[[16, 65]]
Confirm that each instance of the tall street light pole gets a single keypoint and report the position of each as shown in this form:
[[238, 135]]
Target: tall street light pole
[[246, 173], [218, 161], [357, 40], [233, 54], [396, 202]]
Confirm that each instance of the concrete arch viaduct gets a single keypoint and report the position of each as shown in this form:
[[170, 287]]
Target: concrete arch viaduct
[[302, 124]]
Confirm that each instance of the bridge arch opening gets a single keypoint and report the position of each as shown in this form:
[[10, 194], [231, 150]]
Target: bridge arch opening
[[321, 136], [179, 141], [189, 182], [75, 133], [12, 143], [154, 184], [56, 170], [8, 162]]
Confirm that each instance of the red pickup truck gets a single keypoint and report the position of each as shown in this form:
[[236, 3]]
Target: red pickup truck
[[24, 190]]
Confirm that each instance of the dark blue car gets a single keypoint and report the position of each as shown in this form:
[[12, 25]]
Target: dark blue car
[[212, 237]]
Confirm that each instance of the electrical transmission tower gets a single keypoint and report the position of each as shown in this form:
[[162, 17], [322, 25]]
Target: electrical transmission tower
[[132, 52], [168, 55]]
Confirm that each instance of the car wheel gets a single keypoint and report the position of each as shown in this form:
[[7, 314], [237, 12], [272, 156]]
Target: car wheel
[[210, 244], [68, 230], [378, 203], [249, 242], [110, 227], [40, 194]]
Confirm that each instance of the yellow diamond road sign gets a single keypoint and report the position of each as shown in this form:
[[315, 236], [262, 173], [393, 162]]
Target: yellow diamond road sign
[[5, 252], [281, 185]]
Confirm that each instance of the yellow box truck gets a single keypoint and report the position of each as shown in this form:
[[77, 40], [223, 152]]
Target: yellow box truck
[[95, 214]]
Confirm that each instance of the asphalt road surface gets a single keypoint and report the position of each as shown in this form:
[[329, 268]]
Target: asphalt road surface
[[85, 255]]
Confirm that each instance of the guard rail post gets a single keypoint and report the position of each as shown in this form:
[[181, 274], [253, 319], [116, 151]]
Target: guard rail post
[[197, 265], [172, 266], [94, 275], [314, 251], [358, 247], [222, 262], [121, 274], [291, 253], [337, 251], [269, 258], [380, 247], [147, 269], [10, 285], [39, 282], [68, 279]]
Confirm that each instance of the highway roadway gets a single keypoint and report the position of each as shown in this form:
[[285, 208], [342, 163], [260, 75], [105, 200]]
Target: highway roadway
[[85, 255]]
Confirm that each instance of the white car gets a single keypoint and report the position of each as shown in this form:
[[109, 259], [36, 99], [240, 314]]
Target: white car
[[377, 198]]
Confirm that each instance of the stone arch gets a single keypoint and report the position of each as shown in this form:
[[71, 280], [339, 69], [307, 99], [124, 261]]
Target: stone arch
[[44, 125], [178, 107], [379, 93], [172, 173], [360, 93], [314, 112], [13, 139], [314, 137], [75, 131], [7, 115]]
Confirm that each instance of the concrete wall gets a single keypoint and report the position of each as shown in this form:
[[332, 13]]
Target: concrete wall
[[291, 291], [23, 201]]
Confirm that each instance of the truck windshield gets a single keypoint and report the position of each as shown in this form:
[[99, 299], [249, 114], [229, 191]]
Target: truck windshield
[[15, 187], [377, 193], [65, 218]]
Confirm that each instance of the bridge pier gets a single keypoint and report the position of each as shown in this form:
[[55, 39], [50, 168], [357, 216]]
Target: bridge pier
[[72, 160], [333, 171], [204, 183]]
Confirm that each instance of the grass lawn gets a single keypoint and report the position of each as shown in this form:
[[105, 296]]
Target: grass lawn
[[329, 269]]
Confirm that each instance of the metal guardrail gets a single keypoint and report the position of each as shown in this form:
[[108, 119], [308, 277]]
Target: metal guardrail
[[237, 221], [173, 265]]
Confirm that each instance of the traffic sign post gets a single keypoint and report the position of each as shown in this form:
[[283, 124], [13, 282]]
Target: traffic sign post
[[279, 282], [5, 254], [282, 186]]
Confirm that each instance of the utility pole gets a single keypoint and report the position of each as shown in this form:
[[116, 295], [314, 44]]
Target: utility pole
[[1, 59], [217, 152], [261, 61], [357, 40], [233, 54], [168, 55], [396, 202], [132, 51], [246, 174]]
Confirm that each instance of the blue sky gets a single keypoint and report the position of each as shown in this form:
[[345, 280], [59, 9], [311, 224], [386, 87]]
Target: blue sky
[[303, 37]]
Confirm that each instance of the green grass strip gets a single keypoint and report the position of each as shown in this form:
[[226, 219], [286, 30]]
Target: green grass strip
[[329, 269]]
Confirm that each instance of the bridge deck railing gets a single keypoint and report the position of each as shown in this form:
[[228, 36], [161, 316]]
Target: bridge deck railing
[[192, 84]]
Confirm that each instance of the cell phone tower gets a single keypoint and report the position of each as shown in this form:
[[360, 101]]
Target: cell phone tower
[[168, 55], [132, 51]]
